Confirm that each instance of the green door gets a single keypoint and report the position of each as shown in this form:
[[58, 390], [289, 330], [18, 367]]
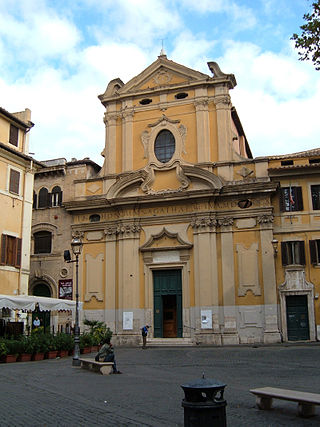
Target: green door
[[167, 291], [297, 318]]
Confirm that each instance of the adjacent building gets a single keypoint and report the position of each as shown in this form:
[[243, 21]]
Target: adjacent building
[[16, 186], [50, 275]]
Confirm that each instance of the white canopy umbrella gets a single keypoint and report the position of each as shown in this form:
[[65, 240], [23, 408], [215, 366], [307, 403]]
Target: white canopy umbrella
[[29, 302]]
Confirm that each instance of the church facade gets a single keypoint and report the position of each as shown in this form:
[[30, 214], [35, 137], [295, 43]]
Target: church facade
[[182, 228]]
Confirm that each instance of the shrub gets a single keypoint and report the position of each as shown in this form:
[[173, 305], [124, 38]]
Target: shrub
[[64, 341], [14, 346], [3, 348], [85, 340], [99, 331]]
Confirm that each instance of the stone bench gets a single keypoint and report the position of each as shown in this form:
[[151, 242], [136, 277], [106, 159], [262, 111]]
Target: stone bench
[[306, 401], [105, 368]]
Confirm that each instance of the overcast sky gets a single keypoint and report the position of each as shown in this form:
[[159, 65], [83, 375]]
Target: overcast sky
[[56, 56]]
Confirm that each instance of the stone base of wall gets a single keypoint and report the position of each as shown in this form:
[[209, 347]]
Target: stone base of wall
[[207, 338]]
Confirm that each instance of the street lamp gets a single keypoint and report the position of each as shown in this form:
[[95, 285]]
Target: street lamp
[[76, 245]]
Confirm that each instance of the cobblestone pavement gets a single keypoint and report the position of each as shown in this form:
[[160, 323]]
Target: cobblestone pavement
[[53, 393]]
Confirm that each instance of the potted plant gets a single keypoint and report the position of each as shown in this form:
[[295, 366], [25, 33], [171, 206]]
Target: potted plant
[[13, 349], [64, 344], [40, 346], [85, 343], [26, 350], [52, 345], [3, 350]]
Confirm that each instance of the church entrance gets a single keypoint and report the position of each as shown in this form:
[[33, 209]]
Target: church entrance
[[167, 303]]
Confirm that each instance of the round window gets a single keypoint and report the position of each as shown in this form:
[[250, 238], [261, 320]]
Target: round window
[[164, 146]]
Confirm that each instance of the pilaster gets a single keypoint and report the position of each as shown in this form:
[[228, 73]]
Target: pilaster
[[203, 128], [223, 108], [127, 137], [271, 328], [110, 120], [230, 334]]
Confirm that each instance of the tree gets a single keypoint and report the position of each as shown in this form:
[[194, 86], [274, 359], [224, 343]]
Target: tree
[[308, 43]]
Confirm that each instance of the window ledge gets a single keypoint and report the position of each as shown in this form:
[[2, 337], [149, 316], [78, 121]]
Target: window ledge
[[9, 268]]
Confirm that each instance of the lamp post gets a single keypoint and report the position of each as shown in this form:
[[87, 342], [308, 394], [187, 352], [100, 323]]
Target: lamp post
[[76, 245]]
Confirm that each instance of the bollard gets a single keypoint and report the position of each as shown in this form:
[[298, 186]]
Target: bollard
[[202, 406]]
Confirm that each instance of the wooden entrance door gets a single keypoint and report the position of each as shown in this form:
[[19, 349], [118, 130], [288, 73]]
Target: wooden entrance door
[[167, 294], [169, 304], [297, 318]]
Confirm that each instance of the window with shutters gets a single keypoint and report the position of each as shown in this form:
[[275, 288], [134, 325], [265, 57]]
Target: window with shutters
[[315, 195], [291, 199], [44, 198], [42, 242], [314, 251], [34, 204], [10, 250], [14, 181], [14, 135], [164, 146], [56, 196], [293, 253]]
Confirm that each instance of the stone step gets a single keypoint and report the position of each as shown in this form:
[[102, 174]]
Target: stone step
[[169, 342]]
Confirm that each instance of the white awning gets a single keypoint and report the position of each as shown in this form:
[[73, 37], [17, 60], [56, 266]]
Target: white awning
[[28, 302]]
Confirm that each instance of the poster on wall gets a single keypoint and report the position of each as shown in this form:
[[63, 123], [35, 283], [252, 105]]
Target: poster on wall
[[206, 319], [128, 320], [65, 289]]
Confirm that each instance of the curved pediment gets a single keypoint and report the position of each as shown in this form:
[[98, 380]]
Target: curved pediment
[[167, 179]]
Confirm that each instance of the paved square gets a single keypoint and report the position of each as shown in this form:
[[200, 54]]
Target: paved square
[[53, 393]]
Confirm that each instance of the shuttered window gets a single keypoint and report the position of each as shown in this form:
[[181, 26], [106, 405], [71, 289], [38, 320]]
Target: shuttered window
[[314, 251], [293, 253], [44, 198], [10, 251], [14, 181], [315, 195], [291, 199], [42, 242], [14, 134]]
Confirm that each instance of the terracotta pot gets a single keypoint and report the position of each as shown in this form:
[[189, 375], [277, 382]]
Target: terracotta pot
[[51, 354], [85, 350], [24, 357], [94, 348], [63, 353], [9, 358], [37, 356]]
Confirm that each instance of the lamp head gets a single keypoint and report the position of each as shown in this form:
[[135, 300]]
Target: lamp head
[[76, 245]]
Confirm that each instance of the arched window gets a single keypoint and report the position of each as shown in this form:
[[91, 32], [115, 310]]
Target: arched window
[[164, 146], [41, 290], [42, 242], [56, 196], [43, 201]]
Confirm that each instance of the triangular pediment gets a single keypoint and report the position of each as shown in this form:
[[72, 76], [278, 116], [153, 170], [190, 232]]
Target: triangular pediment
[[162, 73]]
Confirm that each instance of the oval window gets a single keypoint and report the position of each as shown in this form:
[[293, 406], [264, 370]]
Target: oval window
[[94, 218], [244, 204], [164, 146], [145, 101], [181, 95]]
